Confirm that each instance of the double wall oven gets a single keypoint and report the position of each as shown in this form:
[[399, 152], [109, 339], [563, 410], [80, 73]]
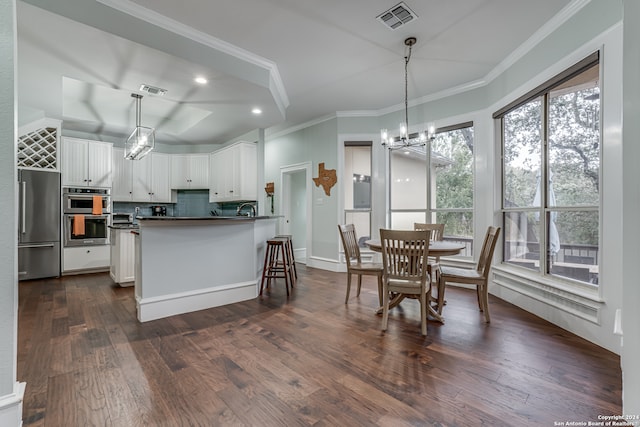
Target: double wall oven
[[86, 215]]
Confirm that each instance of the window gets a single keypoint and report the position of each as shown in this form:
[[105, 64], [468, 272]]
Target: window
[[439, 193], [357, 188], [550, 176]]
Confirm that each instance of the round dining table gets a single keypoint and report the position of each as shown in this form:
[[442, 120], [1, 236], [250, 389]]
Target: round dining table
[[437, 249]]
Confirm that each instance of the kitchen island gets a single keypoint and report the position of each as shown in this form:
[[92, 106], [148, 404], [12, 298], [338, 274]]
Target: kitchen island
[[185, 264]]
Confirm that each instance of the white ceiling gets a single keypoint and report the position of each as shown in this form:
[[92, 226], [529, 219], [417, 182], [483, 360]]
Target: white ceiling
[[297, 60]]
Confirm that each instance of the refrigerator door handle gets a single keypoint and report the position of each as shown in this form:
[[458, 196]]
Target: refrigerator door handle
[[38, 245], [24, 206]]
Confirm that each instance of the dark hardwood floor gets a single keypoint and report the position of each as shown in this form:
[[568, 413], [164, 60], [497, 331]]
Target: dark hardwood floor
[[304, 360]]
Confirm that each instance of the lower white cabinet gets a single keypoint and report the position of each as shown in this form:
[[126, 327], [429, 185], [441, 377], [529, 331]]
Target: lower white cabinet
[[85, 258], [122, 257]]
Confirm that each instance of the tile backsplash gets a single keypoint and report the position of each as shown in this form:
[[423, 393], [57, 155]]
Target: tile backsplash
[[188, 203]]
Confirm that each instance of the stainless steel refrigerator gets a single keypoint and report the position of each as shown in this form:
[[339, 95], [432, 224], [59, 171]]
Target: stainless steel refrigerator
[[38, 224]]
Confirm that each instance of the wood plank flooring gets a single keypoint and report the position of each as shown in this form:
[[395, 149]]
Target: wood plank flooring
[[304, 360]]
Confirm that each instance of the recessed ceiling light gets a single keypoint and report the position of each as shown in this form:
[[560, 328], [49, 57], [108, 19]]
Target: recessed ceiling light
[[256, 111], [201, 80]]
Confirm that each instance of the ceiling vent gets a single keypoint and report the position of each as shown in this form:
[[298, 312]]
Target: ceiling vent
[[152, 90], [397, 16]]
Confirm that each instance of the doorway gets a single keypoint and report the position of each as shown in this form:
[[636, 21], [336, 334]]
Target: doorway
[[295, 208]]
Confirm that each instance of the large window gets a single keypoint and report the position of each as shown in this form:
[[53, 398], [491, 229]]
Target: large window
[[357, 187], [550, 176], [436, 185]]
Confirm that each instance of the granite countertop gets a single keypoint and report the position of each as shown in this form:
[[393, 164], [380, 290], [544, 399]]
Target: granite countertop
[[203, 218], [124, 226]]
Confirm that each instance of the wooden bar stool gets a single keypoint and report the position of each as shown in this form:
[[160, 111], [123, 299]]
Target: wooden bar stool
[[291, 257], [275, 268]]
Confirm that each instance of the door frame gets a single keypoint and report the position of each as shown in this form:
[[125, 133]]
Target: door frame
[[285, 200]]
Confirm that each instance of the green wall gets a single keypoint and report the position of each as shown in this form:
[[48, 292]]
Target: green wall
[[316, 144]]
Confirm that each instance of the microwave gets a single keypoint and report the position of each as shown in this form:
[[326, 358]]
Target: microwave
[[83, 200], [121, 218]]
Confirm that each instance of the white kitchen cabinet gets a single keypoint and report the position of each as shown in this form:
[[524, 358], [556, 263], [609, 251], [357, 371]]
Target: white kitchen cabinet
[[85, 163], [122, 170], [160, 175], [234, 173], [189, 171], [122, 256], [85, 258], [145, 180]]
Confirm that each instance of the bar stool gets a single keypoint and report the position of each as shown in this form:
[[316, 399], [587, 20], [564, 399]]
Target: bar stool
[[274, 268], [291, 257]]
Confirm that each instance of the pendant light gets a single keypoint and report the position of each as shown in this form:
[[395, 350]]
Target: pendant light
[[142, 139], [406, 139]]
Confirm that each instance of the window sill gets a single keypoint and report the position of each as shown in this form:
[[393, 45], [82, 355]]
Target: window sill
[[582, 301]]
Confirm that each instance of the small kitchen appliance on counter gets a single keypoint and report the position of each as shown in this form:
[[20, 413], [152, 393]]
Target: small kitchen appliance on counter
[[118, 218], [157, 210]]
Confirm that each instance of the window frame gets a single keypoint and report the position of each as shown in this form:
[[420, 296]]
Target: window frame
[[369, 210], [429, 211], [543, 92]]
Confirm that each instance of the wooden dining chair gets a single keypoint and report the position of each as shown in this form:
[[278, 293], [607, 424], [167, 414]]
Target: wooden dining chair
[[478, 276], [404, 257], [354, 261], [437, 233], [437, 230]]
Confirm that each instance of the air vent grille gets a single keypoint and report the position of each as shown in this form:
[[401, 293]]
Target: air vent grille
[[153, 90], [397, 16]]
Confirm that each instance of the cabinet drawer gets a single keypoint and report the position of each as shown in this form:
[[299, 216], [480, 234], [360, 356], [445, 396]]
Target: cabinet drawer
[[86, 258]]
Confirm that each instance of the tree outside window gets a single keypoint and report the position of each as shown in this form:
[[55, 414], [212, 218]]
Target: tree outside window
[[551, 172], [434, 184]]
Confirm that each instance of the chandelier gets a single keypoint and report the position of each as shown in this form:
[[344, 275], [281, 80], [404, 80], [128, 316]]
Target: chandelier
[[142, 139], [406, 139]]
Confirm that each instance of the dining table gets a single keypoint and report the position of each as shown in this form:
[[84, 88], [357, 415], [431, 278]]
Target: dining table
[[437, 249]]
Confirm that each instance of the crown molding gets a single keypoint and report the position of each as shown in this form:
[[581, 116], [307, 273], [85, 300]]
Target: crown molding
[[543, 32], [302, 126]]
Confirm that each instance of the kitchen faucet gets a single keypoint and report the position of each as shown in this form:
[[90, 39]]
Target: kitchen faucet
[[253, 209]]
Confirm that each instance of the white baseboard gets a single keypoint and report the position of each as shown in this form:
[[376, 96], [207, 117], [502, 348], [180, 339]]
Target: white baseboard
[[324, 264], [11, 407], [186, 302], [300, 255]]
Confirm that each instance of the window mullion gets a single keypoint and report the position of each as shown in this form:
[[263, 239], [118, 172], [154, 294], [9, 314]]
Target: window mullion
[[544, 182]]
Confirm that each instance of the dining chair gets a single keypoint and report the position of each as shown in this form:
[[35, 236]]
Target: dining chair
[[478, 276], [437, 230], [437, 233], [404, 258], [354, 261]]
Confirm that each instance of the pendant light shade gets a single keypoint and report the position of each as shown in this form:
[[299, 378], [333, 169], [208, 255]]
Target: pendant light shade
[[142, 139]]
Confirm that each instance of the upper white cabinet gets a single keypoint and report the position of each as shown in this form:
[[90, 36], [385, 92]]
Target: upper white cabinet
[[145, 180], [234, 173], [85, 163], [189, 171]]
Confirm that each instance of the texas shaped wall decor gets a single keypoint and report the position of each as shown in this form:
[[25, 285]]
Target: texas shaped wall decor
[[326, 177]]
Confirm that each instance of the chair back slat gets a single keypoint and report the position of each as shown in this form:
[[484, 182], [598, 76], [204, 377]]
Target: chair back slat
[[404, 254], [437, 230], [350, 243], [488, 247]]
